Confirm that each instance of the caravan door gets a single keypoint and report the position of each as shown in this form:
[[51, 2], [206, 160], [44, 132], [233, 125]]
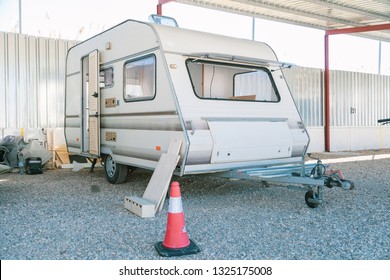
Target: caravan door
[[91, 105]]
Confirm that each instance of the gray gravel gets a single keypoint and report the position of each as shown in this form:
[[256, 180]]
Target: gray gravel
[[76, 215]]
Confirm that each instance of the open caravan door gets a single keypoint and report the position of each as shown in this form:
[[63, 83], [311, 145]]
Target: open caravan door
[[93, 129]]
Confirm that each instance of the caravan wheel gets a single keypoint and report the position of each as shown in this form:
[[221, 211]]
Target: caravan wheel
[[310, 199], [116, 173]]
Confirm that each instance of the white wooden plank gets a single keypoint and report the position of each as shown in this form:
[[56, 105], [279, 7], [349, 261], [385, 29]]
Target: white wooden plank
[[159, 183], [161, 178], [174, 146], [166, 186]]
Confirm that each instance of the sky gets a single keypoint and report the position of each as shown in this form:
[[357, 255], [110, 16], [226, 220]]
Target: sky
[[79, 20]]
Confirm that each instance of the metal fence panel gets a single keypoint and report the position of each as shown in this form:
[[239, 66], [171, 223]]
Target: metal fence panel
[[306, 86], [3, 79], [359, 99], [32, 74]]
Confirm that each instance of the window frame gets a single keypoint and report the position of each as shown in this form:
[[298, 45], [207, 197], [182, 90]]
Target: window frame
[[136, 99], [241, 65]]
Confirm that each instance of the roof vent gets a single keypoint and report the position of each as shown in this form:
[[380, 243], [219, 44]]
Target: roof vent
[[163, 20]]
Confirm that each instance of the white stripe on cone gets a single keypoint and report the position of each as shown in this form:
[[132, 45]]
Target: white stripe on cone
[[175, 205]]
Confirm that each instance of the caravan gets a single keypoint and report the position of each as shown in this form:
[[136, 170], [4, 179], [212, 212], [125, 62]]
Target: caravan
[[134, 88]]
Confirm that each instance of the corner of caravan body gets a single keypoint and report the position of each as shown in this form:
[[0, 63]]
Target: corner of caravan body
[[226, 98]]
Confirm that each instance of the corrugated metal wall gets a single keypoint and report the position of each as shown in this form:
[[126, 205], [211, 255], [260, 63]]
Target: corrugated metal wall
[[306, 85], [357, 99], [32, 81]]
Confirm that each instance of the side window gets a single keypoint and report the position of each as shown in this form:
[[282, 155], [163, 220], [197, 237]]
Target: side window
[[227, 81], [139, 79], [106, 77]]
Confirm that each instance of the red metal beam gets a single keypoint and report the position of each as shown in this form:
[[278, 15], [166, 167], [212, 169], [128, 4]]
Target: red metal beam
[[327, 108], [159, 5], [358, 29]]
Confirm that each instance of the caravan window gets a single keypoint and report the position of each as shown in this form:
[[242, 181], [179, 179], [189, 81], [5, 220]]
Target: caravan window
[[139, 79], [106, 77], [214, 80]]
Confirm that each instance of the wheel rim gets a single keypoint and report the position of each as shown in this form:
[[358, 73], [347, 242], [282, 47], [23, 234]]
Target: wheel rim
[[110, 166]]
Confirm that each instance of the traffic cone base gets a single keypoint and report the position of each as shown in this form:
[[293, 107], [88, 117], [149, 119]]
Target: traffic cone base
[[192, 248]]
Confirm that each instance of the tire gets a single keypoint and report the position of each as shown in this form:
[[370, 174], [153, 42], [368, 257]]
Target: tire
[[310, 195], [116, 173]]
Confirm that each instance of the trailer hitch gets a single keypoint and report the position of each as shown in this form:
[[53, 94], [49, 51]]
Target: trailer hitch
[[334, 178]]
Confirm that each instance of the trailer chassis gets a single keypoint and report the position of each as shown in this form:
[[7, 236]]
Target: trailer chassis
[[311, 177]]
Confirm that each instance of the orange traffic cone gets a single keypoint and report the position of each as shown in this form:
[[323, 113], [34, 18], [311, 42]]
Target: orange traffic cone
[[176, 241]]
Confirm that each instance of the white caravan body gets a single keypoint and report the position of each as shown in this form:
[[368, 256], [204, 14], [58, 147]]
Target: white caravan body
[[133, 88]]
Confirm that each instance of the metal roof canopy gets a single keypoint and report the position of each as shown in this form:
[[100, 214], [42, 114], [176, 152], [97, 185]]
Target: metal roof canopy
[[319, 14], [364, 18]]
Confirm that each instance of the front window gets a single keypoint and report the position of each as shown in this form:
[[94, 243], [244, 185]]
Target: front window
[[212, 80], [139, 79]]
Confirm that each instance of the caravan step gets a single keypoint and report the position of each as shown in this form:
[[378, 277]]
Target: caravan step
[[139, 206]]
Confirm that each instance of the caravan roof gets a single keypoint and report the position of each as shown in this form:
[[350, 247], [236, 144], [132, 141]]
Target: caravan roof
[[179, 40]]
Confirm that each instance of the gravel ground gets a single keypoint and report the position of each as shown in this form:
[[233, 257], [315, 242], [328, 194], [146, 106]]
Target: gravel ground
[[76, 215]]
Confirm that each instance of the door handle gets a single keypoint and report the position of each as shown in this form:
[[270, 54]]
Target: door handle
[[95, 94]]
